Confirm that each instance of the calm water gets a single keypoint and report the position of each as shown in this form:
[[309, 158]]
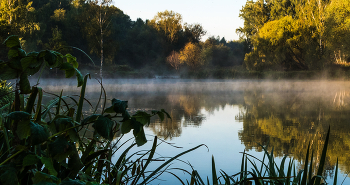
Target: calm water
[[231, 116]]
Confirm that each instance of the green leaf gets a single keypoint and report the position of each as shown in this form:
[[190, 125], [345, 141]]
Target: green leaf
[[59, 59], [60, 149], [8, 174], [119, 106], [74, 163], [39, 133], [40, 177], [126, 126], [7, 73], [23, 129], [30, 61], [142, 117], [140, 137], [12, 53], [160, 115], [69, 69], [49, 165], [30, 159], [50, 58], [19, 115], [72, 60], [24, 84], [12, 41], [103, 126]]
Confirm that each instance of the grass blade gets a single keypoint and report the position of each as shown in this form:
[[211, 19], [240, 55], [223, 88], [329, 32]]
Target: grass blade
[[336, 173], [303, 180], [323, 157], [81, 99], [167, 162], [213, 171]]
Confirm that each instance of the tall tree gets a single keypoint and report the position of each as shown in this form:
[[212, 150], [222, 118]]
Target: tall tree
[[191, 55], [169, 23], [96, 20]]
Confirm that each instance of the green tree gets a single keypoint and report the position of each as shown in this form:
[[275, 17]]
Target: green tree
[[95, 22], [254, 15], [337, 32], [191, 55], [168, 23], [194, 32]]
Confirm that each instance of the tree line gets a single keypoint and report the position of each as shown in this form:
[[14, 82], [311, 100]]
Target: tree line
[[111, 38], [295, 34]]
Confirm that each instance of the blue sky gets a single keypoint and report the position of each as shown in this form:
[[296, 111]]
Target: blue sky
[[219, 17]]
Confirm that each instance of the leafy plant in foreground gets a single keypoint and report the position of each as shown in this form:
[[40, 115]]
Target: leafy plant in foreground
[[48, 143]]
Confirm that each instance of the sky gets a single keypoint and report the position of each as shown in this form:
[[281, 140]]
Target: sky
[[218, 17]]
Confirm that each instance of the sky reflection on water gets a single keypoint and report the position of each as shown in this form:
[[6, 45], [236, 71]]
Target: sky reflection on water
[[232, 116]]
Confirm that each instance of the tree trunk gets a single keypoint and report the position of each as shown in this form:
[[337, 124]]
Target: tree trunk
[[101, 42]]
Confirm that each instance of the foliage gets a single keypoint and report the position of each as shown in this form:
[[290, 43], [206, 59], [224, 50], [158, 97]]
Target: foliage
[[295, 35], [6, 94], [169, 23], [49, 143], [191, 55]]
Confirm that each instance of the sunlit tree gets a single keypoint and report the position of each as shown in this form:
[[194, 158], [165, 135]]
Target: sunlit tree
[[169, 23], [96, 20], [191, 55]]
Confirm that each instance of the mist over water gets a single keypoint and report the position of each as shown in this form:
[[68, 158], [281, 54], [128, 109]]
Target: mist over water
[[230, 116]]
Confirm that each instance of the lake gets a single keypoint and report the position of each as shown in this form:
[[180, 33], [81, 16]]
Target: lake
[[230, 116]]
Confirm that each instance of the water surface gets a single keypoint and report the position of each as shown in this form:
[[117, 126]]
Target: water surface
[[231, 116]]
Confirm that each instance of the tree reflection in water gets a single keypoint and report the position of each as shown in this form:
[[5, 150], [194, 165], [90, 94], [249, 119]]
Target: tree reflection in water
[[287, 114]]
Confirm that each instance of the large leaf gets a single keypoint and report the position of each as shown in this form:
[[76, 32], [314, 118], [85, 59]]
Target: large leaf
[[59, 59], [8, 174], [39, 133], [50, 58], [30, 159], [19, 115], [103, 126], [12, 53], [72, 60], [68, 68], [74, 163], [49, 165], [118, 106], [140, 137], [30, 61], [12, 41], [23, 129], [126, 126], [60, 149], [7, 73], [142, 117]]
